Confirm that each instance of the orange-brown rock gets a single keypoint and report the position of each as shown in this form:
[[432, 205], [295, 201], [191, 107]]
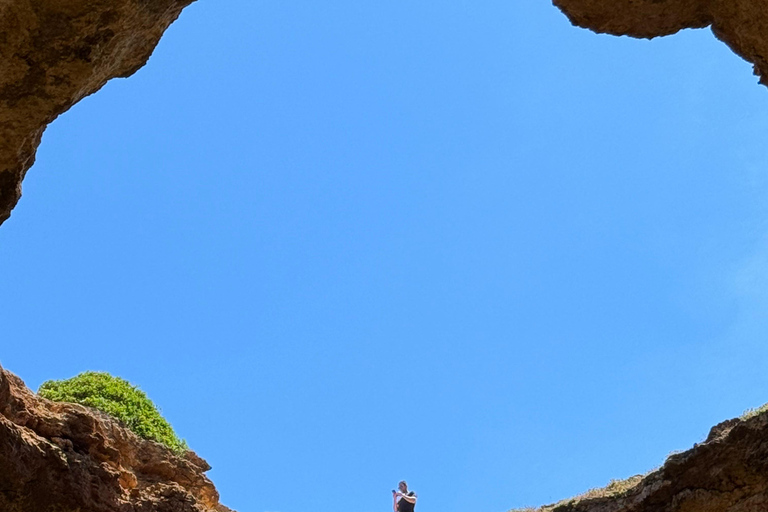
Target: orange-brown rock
[[60, 457], [741, 24], [726, 473], [55, 52]]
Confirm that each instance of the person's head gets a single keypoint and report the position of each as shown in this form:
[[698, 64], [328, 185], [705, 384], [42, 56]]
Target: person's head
[[402, 486]]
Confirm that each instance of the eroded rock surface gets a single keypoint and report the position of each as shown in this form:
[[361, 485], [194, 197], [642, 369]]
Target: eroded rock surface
[[55, 52], [741, 24], [60, 457], [726, 473]]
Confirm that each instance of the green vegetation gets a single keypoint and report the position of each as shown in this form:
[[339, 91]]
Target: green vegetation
[[118, 398]]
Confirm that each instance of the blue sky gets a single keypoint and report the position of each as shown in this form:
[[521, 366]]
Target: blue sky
[[463, 244]]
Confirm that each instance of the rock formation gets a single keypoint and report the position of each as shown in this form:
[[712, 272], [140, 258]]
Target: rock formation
[[61, 457], [741, 24], [726, 473], [729, 471], [54, 53]]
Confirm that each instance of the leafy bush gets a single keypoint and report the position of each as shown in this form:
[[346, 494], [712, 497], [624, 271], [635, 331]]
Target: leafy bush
[[118, 398]]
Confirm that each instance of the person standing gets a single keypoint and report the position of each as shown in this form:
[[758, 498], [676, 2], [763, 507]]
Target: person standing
[[403, 500]]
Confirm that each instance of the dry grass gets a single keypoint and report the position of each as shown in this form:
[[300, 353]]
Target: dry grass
[[614, 488], [751, 413]]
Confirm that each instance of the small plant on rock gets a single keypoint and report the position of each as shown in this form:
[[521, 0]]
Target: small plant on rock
[[118, 398], [751, 413]]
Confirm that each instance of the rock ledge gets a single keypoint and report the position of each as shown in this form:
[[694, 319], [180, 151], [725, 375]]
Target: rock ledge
[[53, 53], [61, 457], [741, 24], [726, 473]]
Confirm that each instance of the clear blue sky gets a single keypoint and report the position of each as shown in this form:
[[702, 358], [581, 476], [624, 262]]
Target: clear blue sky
[[460, 243]]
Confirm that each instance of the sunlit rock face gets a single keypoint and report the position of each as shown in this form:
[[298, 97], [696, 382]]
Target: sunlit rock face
[[741, 24], [60, 457], [55, 52]]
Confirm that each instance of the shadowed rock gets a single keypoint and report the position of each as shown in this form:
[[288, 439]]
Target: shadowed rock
[[726, 473], [61, 457], [54, 53], [741, 24]]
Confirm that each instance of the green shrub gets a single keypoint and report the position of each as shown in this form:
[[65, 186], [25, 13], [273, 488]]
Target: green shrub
[[118, 398]]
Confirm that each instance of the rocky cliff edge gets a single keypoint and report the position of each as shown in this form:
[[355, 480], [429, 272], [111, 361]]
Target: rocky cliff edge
[[741, 24], [61, 457], [54, 53], [728, 472]]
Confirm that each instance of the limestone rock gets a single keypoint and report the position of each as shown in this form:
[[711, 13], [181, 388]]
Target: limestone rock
[[741, 24], [726, 473], [55, 52], [60, 457]]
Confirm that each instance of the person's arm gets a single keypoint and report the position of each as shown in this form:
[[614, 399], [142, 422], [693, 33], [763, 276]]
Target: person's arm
[[394, 501], [410, 498]]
